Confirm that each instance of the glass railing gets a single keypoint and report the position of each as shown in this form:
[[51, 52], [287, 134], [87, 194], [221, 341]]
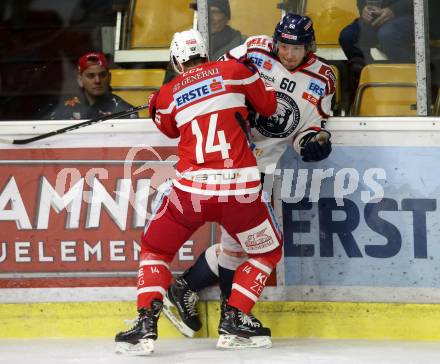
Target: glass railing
[[370, 48]]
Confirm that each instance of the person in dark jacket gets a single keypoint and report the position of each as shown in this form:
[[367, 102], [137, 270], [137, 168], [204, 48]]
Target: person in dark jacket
[[385, 24], [223, 37], [95, 98]]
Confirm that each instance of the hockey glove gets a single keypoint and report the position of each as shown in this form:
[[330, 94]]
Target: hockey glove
[[316, 147], [252, 115], [152, 99]]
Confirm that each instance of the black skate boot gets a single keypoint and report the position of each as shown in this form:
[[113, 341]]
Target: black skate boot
[[262, 331], [139, 340], [180, 307], [238, 330]]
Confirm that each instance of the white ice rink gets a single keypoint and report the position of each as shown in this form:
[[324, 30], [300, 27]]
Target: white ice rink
[[201, 351]]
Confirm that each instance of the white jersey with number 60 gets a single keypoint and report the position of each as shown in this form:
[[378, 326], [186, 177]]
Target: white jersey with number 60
[[303, 96]]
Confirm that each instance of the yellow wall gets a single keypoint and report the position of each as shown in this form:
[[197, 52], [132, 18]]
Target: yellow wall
[[286, 319]]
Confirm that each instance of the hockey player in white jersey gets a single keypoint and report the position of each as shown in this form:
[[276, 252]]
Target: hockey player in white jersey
[[305, 86]]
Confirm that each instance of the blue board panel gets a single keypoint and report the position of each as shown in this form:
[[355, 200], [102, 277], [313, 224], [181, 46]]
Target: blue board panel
[[373, 221]]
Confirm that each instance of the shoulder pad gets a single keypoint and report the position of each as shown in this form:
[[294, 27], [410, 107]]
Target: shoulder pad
[[235, 53], [318, 67], [262, 42], [327, 71]]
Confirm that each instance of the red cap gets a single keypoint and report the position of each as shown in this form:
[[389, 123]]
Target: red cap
[[92, 59]]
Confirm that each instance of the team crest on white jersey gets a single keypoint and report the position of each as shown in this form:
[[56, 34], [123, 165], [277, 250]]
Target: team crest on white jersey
[[283, 122]]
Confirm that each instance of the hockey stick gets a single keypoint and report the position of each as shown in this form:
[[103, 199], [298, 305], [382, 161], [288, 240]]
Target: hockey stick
[[116, 115], [243, 125]]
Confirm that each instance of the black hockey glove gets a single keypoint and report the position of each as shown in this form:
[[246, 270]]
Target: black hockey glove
[[243, 125], [316, 147]]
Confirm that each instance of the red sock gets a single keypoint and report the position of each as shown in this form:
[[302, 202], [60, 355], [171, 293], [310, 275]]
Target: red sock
[[154, 277], [249, 281]]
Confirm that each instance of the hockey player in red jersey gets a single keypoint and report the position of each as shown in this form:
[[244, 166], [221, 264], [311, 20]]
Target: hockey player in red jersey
[[217, 179], [305, 86]]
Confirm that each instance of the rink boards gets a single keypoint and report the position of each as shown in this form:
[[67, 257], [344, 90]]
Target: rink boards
[[360, 227]]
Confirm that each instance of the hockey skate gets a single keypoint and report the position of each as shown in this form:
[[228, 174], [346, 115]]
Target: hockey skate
[[139, 340], [238, 330], [180, 307]]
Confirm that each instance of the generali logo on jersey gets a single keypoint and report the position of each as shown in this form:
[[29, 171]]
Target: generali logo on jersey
[[195, 74]]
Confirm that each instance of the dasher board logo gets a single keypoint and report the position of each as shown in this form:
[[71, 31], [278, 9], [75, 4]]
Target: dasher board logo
[[199, 91], [283, 122]]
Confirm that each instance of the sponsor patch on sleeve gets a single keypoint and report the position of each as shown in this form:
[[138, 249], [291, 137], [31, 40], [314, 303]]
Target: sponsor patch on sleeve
[[327, 71]]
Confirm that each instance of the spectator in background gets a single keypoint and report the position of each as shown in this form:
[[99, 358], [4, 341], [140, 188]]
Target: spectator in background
[[31, 48], [95, 98], [434, 34], [385, 24], [95, 12], [223, 37], [434, 26]]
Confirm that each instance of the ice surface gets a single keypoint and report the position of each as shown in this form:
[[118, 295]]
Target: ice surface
[[202, 351]]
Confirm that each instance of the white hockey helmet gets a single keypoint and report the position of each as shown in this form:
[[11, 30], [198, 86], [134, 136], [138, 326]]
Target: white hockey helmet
[[185, 46]]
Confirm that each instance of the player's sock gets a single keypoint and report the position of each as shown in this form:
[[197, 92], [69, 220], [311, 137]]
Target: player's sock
[[154, 277], [201, 274], [226, 278], [249, 281]]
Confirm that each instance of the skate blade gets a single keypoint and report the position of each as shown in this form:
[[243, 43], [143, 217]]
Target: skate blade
[[234, 342], [172, 314], [143, 348]]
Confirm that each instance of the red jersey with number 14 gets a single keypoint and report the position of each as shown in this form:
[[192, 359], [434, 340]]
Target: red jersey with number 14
[[200, 107]]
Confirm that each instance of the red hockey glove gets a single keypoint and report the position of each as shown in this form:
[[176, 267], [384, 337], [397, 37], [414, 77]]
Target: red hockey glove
[[152, 99]]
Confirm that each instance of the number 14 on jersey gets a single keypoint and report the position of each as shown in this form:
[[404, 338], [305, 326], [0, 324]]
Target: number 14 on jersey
[[223, 146]]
